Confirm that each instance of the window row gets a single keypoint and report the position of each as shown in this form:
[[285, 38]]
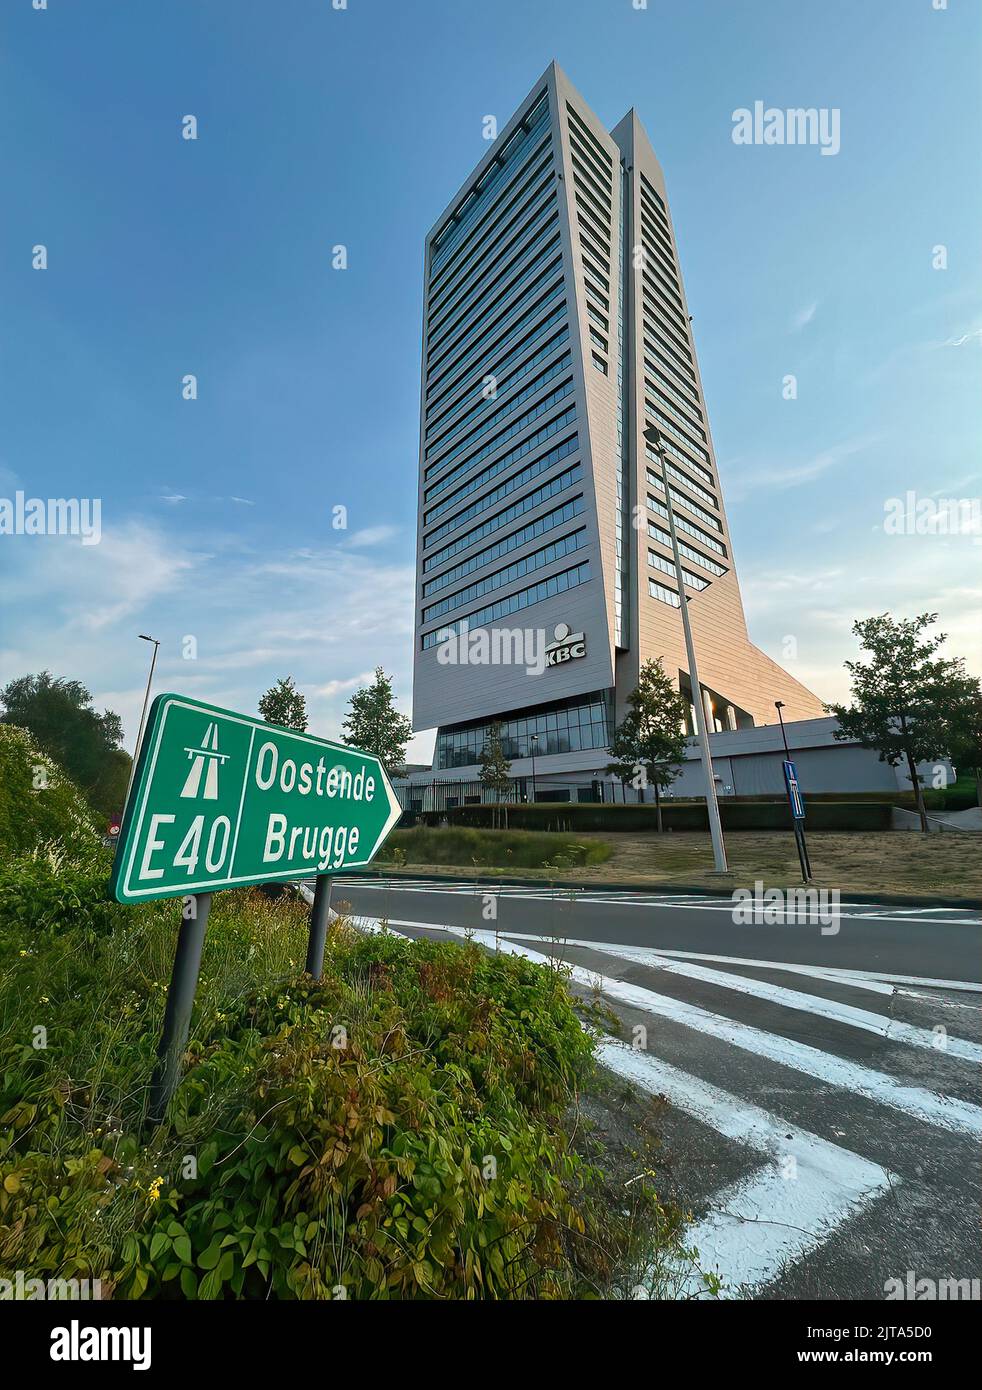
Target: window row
[[680, 477], [532, 470], [666, 424], [514, 603], [474, 338], [586, 134], [683, 419], [475, 290], [534, 197], [523, 421], [583, 724], [682, 525], [512, 330], [664, 595], [528, 564], [669, 303], [694, 581], [531, 532], [514, 428], [503, 166], [666, 345], [678, 382], [586, 199], [463, 421], [672, 388], [586, 146], [447, 336], [440, 413], [666, 322], [679, 499], [657, 534], [517, 509]]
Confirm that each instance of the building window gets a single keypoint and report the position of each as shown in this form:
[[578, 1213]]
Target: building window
[[581, 723]]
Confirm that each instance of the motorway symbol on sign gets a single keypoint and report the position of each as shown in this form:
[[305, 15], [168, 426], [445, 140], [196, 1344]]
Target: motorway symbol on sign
[[794, 791], [221, 799]]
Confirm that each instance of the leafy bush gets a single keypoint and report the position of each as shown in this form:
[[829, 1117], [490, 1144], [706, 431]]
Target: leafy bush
[[392, 1131], [499, 849], [577, 817], [38, 803]]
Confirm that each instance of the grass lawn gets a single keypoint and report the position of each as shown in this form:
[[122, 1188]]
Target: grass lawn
[[914, 865]]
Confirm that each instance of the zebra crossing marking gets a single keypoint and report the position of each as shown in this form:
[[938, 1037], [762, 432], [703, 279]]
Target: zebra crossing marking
[[761, 1224]]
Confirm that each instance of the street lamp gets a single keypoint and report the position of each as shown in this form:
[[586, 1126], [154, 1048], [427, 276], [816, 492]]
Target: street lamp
[[143, 716], [779, 706], [532, 742], [653, 437]]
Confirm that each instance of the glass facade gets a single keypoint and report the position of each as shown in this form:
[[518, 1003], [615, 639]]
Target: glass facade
[[514, 603], [568, 726]]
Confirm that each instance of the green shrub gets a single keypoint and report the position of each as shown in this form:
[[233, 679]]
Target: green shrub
[[578, 817], [394, 1130], [499, 849], [38, 804]]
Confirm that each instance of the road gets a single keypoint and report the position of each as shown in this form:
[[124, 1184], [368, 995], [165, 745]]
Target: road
[[822, 1076]]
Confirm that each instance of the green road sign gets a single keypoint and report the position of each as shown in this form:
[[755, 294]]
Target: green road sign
[[222, 799]]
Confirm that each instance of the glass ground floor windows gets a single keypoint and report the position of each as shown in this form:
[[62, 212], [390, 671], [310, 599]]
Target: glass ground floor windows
[[582, 722]]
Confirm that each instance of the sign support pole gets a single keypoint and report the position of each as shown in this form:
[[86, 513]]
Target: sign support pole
[[180, 1002], [799, 840], [320, 915]]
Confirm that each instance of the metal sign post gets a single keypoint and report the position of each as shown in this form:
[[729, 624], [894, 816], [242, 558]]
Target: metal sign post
[[797, 804], [320, 914], [180, 1002], [221, 800]]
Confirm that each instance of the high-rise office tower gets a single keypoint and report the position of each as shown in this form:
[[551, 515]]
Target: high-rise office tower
[[555, 330]]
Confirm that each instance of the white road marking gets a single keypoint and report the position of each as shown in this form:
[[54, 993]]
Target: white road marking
[[881, 980], [928, 1106], [760, 1225], [892, 1030]]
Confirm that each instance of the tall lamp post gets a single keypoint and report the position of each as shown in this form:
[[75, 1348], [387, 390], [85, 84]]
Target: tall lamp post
[[533, 740], [653, 437], [143, 716]]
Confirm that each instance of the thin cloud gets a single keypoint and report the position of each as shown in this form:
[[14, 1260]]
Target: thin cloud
[[973, 337], [370, 535], [804, 317], [781, 477]]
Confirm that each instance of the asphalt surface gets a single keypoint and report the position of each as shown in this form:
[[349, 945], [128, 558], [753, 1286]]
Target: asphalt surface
[[939, 943], [823, 1113]]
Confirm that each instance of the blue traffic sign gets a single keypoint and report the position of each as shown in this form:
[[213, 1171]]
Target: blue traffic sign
[[794, 791]]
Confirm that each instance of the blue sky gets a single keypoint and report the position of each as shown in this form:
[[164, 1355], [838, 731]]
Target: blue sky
[[319, 126]]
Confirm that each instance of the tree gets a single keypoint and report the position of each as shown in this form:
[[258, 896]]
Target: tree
[[60, 716], [965, 732], [905, 703], [495, 767], [374, 724], [284, 704], [648, 745]]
